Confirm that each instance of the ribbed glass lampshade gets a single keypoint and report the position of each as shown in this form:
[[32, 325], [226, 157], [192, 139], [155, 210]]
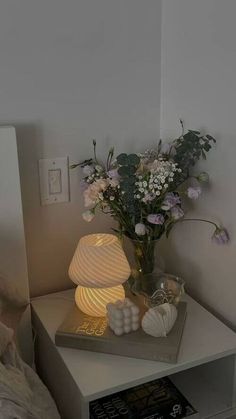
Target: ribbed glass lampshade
[[99, 261], [99, 267]]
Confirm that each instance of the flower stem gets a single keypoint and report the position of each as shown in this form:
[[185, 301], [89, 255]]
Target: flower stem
[[94, 151], [202, 220]]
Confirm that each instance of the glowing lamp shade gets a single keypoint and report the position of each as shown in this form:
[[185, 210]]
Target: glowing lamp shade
[[99, 267]]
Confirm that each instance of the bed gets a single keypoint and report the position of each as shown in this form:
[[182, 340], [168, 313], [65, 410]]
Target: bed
[[22, 393]]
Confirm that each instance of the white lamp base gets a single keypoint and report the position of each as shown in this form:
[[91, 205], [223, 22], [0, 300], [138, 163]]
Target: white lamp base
[[93, 301]]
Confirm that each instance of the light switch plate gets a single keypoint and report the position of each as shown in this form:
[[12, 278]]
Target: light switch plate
[[54, 180]]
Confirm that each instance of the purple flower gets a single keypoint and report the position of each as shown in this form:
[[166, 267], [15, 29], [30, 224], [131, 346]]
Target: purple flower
[[166, 147], [194, 192], [113, 174], [156, 219], [140, 229], [220, 236], [176, 212], [171, 199]]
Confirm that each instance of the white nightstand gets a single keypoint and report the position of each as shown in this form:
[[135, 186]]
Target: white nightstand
[[205, 372]]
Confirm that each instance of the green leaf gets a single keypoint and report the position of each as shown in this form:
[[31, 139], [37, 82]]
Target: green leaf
[[126, 186], [126, 171], [122, 159], [195, 132], [127, 183], [203, 155], [210, 138], [133, 159]]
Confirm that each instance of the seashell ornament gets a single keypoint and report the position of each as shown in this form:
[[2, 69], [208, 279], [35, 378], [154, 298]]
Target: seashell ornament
[[158, 321]]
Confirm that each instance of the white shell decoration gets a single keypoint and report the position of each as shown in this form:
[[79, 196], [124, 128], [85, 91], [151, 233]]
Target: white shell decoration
[[158, 321]]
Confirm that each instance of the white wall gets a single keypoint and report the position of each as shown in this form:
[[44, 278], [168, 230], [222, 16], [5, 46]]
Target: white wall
[[199, 70], [70, 71]]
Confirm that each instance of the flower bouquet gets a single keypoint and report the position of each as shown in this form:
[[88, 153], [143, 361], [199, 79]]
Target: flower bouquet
[[145, 193]]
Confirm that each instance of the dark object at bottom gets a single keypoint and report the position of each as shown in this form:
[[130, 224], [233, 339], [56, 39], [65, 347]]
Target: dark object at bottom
[[158, 399]]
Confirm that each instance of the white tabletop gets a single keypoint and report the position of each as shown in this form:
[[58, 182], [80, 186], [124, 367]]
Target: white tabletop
[[205, 339]]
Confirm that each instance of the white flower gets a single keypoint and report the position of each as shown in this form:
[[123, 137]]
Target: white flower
[[99, 168], [88, 216], [176, 212], [194, 192], [140, 229], [88, 170]]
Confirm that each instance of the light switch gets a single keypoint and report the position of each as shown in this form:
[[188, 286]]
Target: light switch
[[54, 180]]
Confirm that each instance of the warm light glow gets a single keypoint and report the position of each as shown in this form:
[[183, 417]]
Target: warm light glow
[[93, 301], [99, 266], [99, 261]]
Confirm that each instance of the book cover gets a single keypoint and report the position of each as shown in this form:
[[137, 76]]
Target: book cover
[[158, 399], [91, 333]]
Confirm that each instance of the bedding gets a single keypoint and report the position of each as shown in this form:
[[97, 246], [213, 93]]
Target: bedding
[[22, 394]]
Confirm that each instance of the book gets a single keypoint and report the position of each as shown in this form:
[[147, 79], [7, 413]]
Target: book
[[93, 334], [158, 399]]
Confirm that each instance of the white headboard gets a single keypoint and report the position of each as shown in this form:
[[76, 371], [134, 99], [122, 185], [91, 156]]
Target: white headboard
[[13, 261]]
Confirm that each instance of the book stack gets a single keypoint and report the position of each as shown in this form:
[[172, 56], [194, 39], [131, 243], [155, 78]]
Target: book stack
[[158, 399], [93, 334]]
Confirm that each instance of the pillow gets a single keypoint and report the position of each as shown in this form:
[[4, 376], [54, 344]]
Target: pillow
[[12, 305], [6, 336]]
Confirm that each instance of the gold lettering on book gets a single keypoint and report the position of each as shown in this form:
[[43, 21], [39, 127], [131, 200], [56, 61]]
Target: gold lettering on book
[[92, 326]]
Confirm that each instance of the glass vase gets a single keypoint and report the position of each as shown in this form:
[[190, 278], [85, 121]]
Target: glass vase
[[144, 265], [149, 280]]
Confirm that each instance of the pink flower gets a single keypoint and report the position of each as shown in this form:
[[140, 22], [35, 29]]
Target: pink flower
[[92, 193], [176, 212], [220, 236], [194, 192], [140, 229], [88, 216], [114, 182], [156, 219]]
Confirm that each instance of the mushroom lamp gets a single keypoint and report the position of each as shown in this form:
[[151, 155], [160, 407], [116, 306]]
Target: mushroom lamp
[[99, 267]]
